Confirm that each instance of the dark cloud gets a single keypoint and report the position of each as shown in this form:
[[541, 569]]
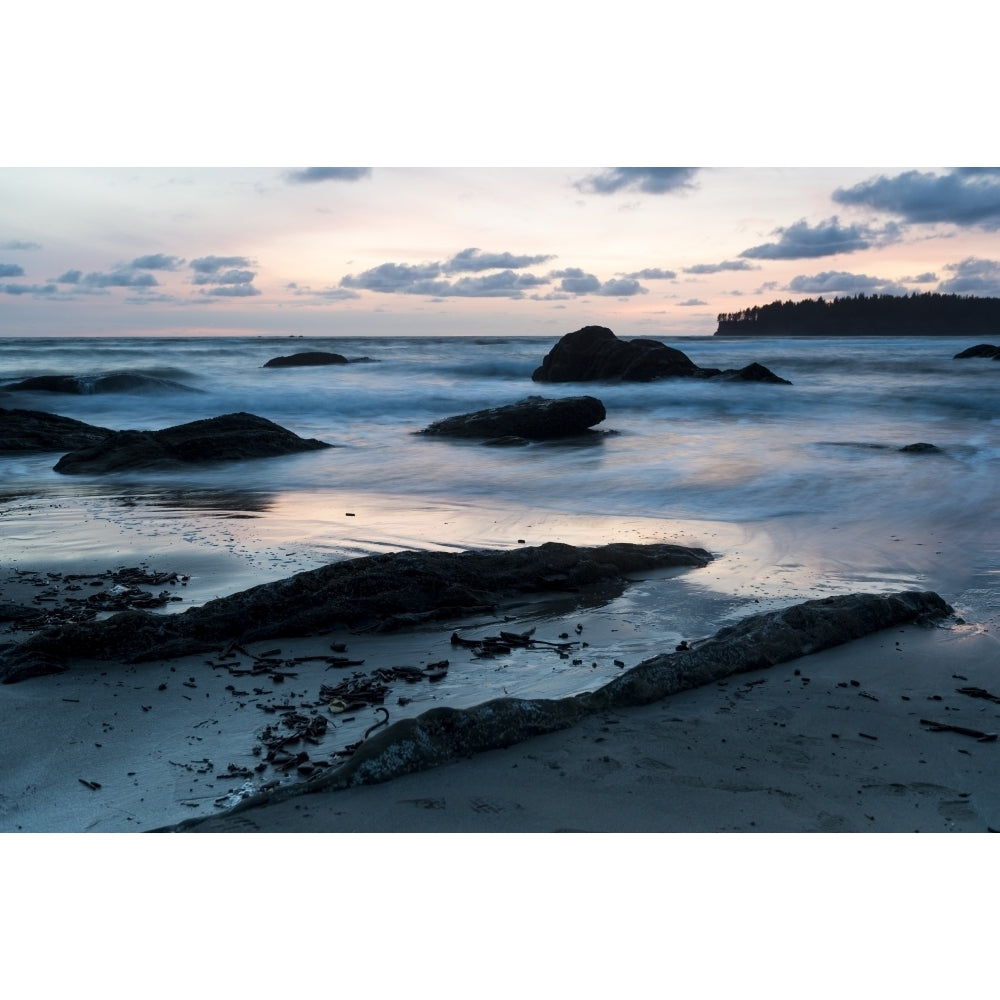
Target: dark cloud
[[823, 240], [622, 287], [503, 284], [921, 279], [726, 265], [649, 180], [313, 175], [232, 277], [692, 302], [965, 197], [576, 282], [473, 259], [70, 278], [119, 279], [844, 282], [16, 289], [211, 264], [390, 277], [653, 274], [11, 271], [972, 276], [233, 291], [158, 262], [20, 245]]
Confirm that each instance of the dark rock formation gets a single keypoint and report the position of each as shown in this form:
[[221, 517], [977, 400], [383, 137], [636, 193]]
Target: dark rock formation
[[595, 354], [388, 590], [235, 436], [534, 419], [443, 734], [34, 430], [306, 358], [86, 385], [979, 351], [921, 448]]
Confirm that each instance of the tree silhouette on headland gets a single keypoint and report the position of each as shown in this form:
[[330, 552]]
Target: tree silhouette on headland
[[928, 314]]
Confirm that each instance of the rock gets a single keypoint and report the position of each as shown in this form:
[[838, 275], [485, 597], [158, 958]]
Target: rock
[[753, 372], [34, 430], [384, 591], [979, 351], [86, 385], [594, 354], [306, 358], [444, 734], [233, 437], [532, 419], [921, 448]]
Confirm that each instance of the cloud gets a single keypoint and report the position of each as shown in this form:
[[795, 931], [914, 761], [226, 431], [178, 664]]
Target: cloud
[[921, 279], [692, 302], [823, 240], [232, 277], [650, 180], [964, 197], [314, 175], [11, 271], [653, 274], [20, 245], [334, 294], [843, 281], [211, 264], [391, 277], [16, 289], [726, 265], [473, 259], [70, 278], [233, 291], [621, 287], [973, 276], [576, 282], [119, 279], [158, 262]]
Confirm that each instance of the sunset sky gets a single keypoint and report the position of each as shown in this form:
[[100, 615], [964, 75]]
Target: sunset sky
[[366, 250], [184, 239]]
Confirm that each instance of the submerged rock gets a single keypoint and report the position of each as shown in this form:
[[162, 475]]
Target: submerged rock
[[86, 385], [232, 437], [306, 358], [35, 430], [532, 419], [979, 351], [386, 590], [921, 448], [759, 641], [594, 354]]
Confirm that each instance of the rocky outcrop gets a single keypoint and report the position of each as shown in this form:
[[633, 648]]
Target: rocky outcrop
[[233, 437], [390, 590], [760, 641], [35, 430], [305, 359], [979, 351], [533, 419], [87, 385], [921, 448], [595, 354]]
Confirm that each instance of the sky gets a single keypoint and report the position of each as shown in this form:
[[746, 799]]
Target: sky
[[347, 250], [155, 177]]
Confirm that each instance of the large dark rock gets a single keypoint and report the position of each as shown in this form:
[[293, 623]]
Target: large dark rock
[[306, 358], [534, 418], [979, 351], [595, 354], [86, 385], [390, 590], [442, 735], [233, 437], [34, 430]]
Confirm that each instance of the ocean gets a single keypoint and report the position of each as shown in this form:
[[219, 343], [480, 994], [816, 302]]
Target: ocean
[[800, 490]]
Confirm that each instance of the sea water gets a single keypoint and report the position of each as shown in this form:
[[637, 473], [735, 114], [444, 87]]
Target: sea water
[[799, 490]]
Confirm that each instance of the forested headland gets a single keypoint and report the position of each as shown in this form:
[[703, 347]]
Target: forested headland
[[928, 314]]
